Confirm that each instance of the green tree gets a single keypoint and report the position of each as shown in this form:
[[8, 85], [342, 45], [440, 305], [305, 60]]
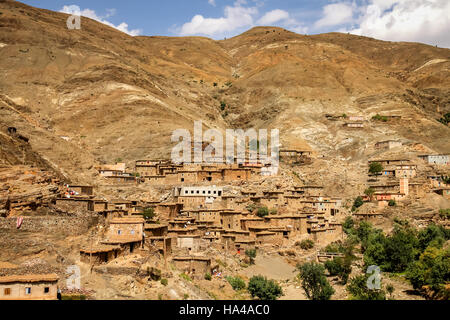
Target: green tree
[[369, 192], [357, 203], [306, 244], [432, 269], [149, 213], [251, 254], [264, 289], [314, 282], [348, 225], [375, 167]]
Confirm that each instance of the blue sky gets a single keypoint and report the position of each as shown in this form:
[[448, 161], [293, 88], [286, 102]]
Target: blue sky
[[425, 21]]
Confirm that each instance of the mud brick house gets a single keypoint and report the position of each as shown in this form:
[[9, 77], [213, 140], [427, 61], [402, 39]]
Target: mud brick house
[[74, 204], [354, 125], [117, 169], [206, 215], [198, 197], [387, 162], [436, 181], [296, 224], [310, 190], [18, 285], [194, 266], [155, 230], [437, 159], [80, 190], [128, 232], [161, 244], [191, 242], [230, 219], [248, 222], [99, 254], [124, 205], [236, 174], [267, 237], [445, 192], [100, 205], [168, 211], [405, 171], [273, 198], [293, 156], [388, 144], [241, 245]]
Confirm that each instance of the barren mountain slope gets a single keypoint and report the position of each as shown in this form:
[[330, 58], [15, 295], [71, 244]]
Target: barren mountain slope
[[96, 94]]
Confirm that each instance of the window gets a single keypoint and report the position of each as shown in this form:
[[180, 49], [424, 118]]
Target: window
[[28, 290], [119, 232], [7, 292], [46, 290]]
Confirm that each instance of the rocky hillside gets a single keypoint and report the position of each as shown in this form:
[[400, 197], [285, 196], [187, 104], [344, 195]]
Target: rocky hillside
[[94, 95]]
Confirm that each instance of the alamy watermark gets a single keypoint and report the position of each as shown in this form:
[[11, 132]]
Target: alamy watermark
[[73, 282], [374, 281], [233, 149], [74, 20]]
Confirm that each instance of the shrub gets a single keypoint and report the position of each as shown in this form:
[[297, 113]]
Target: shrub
[[392, 203], [341, 267], [164, 282], [273, 211], [444, 213], [236, 283], [264, 289], [185, 277], [369, 192], [208, 276], [360, 291], [262, 212], [223, 105], [251, 254], [314, 281], [251, 207], [306, 244]]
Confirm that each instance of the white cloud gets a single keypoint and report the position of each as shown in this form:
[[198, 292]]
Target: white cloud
[[335, 14], [426, 21], [234, 18], [88, 13], [273, 16], [212, 2]]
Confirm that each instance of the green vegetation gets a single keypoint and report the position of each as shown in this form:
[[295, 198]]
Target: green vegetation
[[251, 254], [208, 276], [251, 207], [149, 213], [378, 117], [306, 244], [369, 192], [357, 203], [375, 168], [359, 290], [185, 277], [314, 282], [264, 289], [273, 211], [262, 212], [444, 213], [236, 283], [390, 289], [419, 254], [348, 225], [392, 203], [445, 119], [215, 84], [164, 282], [223, 105]]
